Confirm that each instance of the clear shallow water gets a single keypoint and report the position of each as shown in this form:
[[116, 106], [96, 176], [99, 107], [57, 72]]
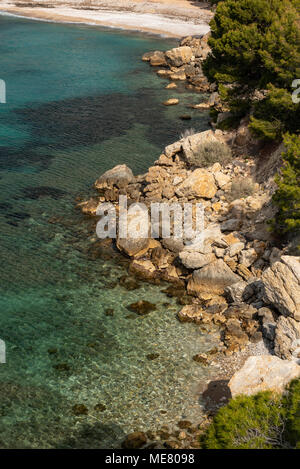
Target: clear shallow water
[[79, 101]]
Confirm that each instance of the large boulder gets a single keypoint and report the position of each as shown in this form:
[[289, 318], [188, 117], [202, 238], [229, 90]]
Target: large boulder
[[190, 313], [134, 440], [179, 56], [287, 338], [133, 247], [281, 284], [137, 241], [235, 292], [173, 244], [142, 268], [191, 144], [263, 373], [213, 278], [200, 183], [195, 260], [173, 148], [203, 244], [119, 176], [156, 58], [221, 179]]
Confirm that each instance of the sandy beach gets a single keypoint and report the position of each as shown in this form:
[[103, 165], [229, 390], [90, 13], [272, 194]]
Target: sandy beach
[[174, 18]]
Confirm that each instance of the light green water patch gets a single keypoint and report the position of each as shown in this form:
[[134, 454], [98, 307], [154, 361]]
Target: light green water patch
[[78, 355]]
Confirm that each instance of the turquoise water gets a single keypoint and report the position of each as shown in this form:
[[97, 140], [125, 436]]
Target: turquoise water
[[79, 101]]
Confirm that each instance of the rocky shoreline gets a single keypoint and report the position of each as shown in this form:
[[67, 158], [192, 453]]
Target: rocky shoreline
[[239, 279]]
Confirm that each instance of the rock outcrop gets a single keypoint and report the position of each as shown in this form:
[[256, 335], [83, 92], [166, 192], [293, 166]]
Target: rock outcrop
[[287, 338], [133, 246], [184, 62], [119, 176], [263, 373], [192, 144], [156, 58], [213, 278], [195, 260], [200, 183], [179, 56], [282, 286]]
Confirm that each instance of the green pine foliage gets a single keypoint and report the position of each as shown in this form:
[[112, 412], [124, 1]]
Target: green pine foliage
[[256, 46], [292, 403], [276, 115], [264, 421], [287, 196]]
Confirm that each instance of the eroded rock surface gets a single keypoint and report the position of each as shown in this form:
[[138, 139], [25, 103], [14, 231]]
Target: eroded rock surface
[[263, 373], [282, 286]]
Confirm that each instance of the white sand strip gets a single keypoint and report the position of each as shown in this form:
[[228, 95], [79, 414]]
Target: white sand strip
[[153, 23]]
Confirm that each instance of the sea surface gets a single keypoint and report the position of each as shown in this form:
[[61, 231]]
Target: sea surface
[[79, 101]]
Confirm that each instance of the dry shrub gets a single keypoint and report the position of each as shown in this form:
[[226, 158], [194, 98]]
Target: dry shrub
[[210, 153]]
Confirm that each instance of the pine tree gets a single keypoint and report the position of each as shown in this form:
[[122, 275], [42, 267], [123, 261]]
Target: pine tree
[[287, 196], [256, 46]]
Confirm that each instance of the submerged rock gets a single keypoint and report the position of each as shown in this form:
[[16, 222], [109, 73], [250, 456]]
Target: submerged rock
[[129, 283], [62, 367], [171, 102], [80, 409], [171, 86], [135, 440], [109, 312], [201, 358], [142, 307], [89, 207], [100, 407], [152, 356], [184, 424]]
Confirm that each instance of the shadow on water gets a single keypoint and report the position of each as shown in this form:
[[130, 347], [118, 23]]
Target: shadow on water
[[217, 393], [87, 121], [92, 120]]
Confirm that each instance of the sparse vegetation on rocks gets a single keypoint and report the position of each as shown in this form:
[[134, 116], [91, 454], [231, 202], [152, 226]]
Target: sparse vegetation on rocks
[[241, 188], [212, 152]]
